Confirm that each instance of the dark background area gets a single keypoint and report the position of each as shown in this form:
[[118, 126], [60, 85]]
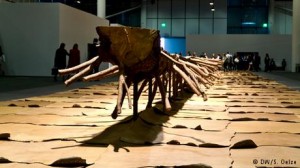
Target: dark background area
[[131, 18], [244, 16]]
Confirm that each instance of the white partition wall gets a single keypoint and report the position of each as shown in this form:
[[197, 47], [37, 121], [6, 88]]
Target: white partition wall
[[29, 35], [79, 27], [31, 32]]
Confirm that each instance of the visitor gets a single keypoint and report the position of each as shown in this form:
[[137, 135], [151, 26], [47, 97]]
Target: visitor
[[283, 64], [2, 60], [256, 62], [267, 63], [272, 65], [60, 60], [236, 62], [74, 58]]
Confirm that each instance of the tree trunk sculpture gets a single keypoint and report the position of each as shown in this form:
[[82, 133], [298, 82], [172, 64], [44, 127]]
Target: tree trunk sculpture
[[137, 57]]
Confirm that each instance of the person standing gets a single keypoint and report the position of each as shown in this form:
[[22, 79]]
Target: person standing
[[267, 63], [74, 57], [2, 60], [236, 62], [272, 65], [283, 64], [60, 60], [255, 62]]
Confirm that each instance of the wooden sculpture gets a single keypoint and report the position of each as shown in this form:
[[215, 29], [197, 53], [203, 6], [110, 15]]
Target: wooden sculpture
[[137, 57]]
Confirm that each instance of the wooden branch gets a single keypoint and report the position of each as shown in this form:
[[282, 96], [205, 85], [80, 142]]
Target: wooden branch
[[151, 97], [128, 95], [99, 75], [78, 75], [187, 79], [78, 67], [120, 99], [165, 100]]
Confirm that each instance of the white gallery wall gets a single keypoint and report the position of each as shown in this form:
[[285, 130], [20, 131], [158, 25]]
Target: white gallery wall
[[278, 46], [30, 33]]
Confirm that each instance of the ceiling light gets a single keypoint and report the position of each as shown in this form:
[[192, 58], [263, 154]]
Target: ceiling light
[[248, 23]]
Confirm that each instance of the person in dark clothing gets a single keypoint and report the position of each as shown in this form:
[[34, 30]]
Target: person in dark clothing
[[2, 60], [259, 61], [1, 52], [60, 60], [74, 57], [256, 62], [267, 63], [93, 52], [283, 64], [272, 65]]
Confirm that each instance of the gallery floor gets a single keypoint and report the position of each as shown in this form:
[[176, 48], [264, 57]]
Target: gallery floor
[[249, 120]]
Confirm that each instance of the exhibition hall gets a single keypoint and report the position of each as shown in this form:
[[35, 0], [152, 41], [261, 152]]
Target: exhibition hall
[[150, 83]]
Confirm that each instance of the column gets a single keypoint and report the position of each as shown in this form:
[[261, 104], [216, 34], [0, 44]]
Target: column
[[271, 16], [101, 8], [143, 14], [296, 35]]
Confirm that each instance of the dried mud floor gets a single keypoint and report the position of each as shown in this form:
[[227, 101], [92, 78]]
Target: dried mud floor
[[248, 121]]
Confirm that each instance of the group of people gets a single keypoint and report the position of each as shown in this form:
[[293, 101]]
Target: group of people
[[250, 62], [60, 60], [234, 61], [270, 64]]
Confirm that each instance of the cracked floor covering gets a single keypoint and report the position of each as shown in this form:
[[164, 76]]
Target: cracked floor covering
[[248, 121]]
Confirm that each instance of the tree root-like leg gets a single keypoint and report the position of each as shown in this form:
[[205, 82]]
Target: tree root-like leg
[[152, 94], [135, 100], [192, 74], [165, 100], [175, 84], [201, 79], [193, 83], [187, 79], [150, 90], [142, 87], [121, 95], [170, 82], [128, 94]]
